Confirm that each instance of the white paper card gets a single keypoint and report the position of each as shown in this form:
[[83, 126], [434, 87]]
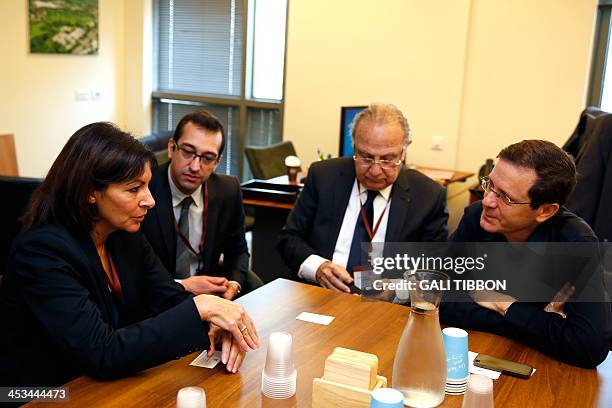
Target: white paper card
[[203, 361], [315, 318]]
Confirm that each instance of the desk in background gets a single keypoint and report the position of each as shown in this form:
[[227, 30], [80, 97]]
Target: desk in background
[[372, 327], [272, 200], [444, 176]]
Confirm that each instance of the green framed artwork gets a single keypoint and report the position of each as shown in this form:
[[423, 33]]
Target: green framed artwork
[[63, 26]]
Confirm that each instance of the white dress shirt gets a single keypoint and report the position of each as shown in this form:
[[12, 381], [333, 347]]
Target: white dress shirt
[[309, 267], [195, 218]]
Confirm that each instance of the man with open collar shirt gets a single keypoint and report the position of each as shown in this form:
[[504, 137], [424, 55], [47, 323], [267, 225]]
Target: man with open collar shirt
[[523, 202]]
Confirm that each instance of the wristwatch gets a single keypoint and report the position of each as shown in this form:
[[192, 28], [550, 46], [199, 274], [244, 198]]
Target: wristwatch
[[238, 286]]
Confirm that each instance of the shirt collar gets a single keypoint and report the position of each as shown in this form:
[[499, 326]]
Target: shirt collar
[[178, 196], [385, 192]]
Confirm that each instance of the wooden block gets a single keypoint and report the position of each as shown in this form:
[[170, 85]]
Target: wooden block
[[348, 372], [350, 367], [371, 358], [327, 394]]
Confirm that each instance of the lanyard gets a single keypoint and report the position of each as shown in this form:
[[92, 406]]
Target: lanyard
[[204, 219], [364, 216]]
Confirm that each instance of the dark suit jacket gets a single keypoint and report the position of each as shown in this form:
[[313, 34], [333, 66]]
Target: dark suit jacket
[[224, 229], [592, 197], [417, 212], [581, 339], [57, 314]]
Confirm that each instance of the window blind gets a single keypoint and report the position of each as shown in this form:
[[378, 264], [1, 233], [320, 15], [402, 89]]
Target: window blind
[[199, 46]]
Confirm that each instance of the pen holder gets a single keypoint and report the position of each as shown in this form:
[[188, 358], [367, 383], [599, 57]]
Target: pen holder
[[348, 380]]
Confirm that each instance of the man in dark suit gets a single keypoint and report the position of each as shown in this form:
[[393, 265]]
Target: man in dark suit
[[523, 202], [368, 198], [199, 214]]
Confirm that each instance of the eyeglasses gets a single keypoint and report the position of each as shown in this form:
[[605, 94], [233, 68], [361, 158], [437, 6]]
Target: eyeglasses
[[486, 185], [384, 164], [190, 155]]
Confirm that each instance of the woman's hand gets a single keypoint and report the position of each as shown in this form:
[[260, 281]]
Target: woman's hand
[[231, 353], [229, 316]]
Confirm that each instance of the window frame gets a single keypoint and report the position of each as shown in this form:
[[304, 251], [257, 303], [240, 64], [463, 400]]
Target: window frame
[[242, 102], [600, 53]]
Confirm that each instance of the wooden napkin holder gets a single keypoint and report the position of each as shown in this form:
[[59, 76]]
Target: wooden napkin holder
[[348, 380]]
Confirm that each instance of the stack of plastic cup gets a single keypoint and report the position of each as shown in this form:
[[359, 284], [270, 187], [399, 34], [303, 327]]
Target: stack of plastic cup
[[278, 378], [191, 397], [479, 392]]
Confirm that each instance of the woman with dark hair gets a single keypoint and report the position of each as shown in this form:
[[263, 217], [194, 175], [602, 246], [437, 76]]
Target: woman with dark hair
[[84, 292]]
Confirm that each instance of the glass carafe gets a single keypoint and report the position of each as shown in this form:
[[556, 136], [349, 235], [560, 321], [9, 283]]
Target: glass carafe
[[419, 368]]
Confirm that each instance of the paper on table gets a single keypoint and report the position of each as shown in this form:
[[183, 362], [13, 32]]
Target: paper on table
[[483, 371], [203, 361], [315, 318]]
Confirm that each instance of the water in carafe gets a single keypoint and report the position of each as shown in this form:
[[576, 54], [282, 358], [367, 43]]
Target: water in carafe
[[419, 368]]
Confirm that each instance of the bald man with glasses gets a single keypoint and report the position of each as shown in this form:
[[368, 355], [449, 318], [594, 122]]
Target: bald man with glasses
[[370, 197]]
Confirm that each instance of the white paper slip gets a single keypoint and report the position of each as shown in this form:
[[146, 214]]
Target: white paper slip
[[203, 361], [315, 318]]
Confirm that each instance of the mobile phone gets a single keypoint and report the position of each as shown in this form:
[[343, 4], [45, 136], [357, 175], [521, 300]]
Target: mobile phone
[[504, 366]]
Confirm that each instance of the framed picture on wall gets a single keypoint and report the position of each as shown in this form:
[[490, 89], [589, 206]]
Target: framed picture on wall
[[347, 115], [63, 26]]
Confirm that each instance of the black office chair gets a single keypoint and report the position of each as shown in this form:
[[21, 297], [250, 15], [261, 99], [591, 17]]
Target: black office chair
[[267, 162], [158, 144], [15, 193]]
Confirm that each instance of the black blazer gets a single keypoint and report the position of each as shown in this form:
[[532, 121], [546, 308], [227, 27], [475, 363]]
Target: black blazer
[[56, 311], [592, 197], [224, 227], [417, 212]]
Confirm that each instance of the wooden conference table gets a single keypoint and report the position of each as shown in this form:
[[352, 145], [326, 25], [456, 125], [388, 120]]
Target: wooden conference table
[[373, 327]]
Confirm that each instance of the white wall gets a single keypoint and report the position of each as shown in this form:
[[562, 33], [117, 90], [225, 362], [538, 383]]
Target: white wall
[[138, 68], [352, 52], [37, 100], [480, 73], [527, 77]]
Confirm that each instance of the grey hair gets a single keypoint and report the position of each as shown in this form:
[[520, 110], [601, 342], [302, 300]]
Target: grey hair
[[381, 113]]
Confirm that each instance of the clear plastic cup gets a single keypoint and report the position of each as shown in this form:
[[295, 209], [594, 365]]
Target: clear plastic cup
[[278, 378], [479, 392], [191, 397]]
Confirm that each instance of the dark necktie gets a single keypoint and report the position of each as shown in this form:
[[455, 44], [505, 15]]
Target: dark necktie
[[183, 256], [361, 234]]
